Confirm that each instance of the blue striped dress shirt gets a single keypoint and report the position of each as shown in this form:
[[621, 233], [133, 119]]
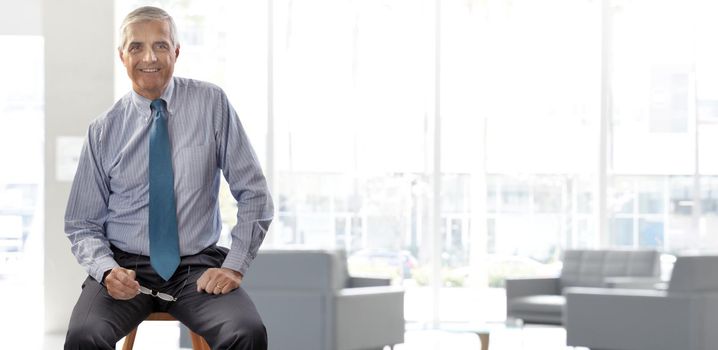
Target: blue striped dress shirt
[[108, 202]]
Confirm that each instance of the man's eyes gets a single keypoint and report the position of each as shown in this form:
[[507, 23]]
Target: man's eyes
[[158, 46]]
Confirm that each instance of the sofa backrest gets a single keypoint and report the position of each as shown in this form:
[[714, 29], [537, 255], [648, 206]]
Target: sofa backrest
[[318, 270], [697, 273], [588, 268]]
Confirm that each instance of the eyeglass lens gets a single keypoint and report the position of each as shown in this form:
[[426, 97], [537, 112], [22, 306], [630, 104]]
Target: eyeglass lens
[[156, 294]]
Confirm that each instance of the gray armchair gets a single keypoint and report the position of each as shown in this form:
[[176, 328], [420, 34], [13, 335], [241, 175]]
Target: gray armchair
[[541, 300], [685, 316], [309, 302]]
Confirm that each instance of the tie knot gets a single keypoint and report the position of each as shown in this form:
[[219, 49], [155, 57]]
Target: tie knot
[[158, 105]]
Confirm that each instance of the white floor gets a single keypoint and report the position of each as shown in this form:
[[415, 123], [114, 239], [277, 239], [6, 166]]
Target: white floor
[[527, 338], [164, 336]]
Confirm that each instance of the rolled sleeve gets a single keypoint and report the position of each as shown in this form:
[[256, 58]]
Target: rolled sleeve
[[101, 265], [242, 254], [86, 210], [248, 186]]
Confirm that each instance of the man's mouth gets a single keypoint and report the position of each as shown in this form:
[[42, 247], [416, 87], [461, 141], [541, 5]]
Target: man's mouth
[[149, 70]]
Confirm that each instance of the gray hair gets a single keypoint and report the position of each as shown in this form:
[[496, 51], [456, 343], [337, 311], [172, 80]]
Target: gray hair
[[147, 13]]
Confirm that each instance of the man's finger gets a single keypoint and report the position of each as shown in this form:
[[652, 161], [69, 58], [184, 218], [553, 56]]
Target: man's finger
[[202, 282], [132, 280], [228, 288], [211, 285], [128, 290], [208, 280], [127, 277], [121, 275], [120, 291], [124, 293], [219, 287]]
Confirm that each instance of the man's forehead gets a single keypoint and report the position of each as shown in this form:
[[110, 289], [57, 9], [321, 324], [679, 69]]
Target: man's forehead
[[147, 28]]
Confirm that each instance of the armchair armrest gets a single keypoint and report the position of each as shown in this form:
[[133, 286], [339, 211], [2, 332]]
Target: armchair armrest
[[358, 282], [521, 287], [639, 319], [378, 309]]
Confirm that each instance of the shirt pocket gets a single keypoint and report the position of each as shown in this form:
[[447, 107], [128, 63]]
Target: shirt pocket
[[195, 166]]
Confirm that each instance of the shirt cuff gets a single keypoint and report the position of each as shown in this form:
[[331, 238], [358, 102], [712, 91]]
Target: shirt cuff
[[243, 252], [237, 262], [101, 265]]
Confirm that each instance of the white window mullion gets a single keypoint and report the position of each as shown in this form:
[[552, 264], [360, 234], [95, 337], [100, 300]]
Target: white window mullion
[[606, 115]]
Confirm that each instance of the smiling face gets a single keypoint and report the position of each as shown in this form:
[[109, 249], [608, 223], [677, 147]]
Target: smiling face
[[149, 56]]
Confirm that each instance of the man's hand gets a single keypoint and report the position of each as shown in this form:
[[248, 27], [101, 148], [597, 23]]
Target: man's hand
[[121, 284], [219, 281]]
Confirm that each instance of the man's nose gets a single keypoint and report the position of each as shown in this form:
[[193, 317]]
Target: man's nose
[[149, 56]]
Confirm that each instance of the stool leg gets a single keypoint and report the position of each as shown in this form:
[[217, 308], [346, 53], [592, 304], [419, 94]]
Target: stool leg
[[130, 340], [198, 343], [484, 337]]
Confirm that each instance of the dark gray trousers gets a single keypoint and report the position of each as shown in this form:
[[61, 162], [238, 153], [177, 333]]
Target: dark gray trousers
[[228, 321]]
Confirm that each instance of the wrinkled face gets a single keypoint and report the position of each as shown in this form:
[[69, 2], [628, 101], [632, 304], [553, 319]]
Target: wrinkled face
[[149, 57]]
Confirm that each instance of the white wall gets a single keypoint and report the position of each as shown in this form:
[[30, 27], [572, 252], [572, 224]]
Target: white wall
[[79, 59], [20, 17]]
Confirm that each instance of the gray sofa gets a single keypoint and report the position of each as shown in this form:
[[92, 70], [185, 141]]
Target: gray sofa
[[541, 300], [685, 316], [308, 301]]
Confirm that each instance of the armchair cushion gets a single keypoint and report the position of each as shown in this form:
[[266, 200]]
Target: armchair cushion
[[539, 308], [635, 283], [539, 303], [357, 282]]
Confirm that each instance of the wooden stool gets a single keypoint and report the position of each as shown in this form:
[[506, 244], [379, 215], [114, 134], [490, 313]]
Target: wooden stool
[[198, 343]]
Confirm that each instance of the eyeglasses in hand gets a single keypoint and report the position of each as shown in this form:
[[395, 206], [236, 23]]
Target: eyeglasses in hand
[[157, 294]]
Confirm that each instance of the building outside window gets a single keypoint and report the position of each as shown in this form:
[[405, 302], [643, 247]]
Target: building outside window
[[341, 110], [21, 150], [22, 105]]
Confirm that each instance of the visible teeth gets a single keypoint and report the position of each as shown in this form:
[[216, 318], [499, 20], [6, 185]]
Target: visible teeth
[[150, 70]]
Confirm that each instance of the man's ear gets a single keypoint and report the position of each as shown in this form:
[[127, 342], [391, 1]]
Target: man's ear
[[177, 51], [121, 55]]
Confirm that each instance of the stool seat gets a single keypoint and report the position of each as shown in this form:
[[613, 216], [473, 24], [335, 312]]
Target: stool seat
[[198, 342]]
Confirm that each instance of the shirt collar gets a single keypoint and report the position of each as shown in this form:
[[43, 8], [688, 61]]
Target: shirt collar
[[142, 104]]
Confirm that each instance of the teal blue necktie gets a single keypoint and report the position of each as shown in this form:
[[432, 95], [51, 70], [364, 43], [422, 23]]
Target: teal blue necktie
[[164, 243]]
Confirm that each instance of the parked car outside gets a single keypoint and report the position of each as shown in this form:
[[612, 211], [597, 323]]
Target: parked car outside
[[502, 267], [382, 263]]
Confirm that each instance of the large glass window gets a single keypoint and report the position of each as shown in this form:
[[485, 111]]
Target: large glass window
[[662, 125], [21, 148], [22, 100], [520, 110], [352, 107], [352, 91]]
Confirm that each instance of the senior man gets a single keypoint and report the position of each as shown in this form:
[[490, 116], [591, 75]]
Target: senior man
[[143, 215]]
